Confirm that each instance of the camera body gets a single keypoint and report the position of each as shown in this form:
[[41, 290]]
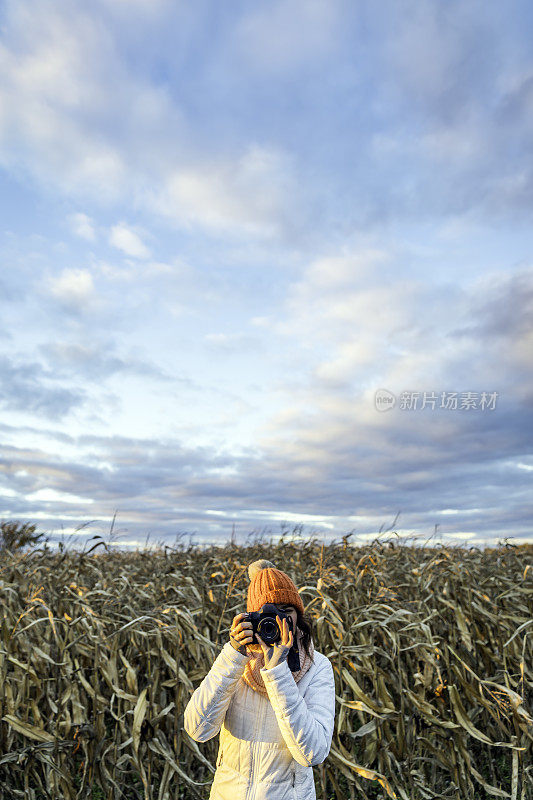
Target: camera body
[[265, 624]]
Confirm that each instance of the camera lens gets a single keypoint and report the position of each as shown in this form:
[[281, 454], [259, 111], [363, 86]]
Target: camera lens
[[269, 630]]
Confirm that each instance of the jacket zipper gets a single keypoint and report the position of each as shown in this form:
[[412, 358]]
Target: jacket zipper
[[254, 743], [251, 783]]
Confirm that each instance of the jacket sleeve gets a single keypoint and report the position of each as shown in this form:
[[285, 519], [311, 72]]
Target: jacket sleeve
[[205, 711], [306, 723]]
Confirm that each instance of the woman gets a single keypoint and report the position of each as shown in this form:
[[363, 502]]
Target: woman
[[275, 725]]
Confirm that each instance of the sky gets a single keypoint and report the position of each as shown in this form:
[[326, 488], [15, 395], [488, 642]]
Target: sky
[[266, 266]]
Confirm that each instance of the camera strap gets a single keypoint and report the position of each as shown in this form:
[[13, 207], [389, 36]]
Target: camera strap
[[293, 659]]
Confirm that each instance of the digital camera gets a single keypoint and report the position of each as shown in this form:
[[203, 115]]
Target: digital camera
[[265, 623]]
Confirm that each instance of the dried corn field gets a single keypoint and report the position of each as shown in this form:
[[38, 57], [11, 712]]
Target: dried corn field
[[431, 648]]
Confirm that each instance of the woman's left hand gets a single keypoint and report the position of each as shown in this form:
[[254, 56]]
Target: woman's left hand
[[279, 651]]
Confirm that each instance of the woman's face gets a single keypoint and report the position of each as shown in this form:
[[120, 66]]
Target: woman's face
[[291, 611]]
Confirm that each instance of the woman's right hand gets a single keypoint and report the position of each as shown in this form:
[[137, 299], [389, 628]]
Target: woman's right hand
[[241, 633]]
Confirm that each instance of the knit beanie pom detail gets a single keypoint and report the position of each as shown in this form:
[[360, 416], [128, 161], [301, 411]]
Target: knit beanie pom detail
[[257, 566]]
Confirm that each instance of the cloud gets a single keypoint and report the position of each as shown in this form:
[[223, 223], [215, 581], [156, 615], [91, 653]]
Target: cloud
[[496, 332], [51, 495], [356, 329], [231, 342], [261, 321], [133, 272], [61, 122], [196, 141], [83, 226], [469, 115], [250, 193], [79, 120], [353, 359], [96, 361], [503, 309], [350, 303], [124, 238], [333, 273], [45, 86], [24, 387], [332, 449], [74, 288]]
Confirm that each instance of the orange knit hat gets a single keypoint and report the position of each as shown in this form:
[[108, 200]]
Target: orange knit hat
[[270, 585]]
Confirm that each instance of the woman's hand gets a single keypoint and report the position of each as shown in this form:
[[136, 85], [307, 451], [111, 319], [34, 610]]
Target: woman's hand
[[241, 634], [279, 651]]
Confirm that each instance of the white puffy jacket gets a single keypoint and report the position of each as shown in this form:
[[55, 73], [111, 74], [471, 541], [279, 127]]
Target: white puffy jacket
[[268, 745]]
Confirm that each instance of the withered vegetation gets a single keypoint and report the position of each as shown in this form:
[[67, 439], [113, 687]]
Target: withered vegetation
[[431, 648]]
